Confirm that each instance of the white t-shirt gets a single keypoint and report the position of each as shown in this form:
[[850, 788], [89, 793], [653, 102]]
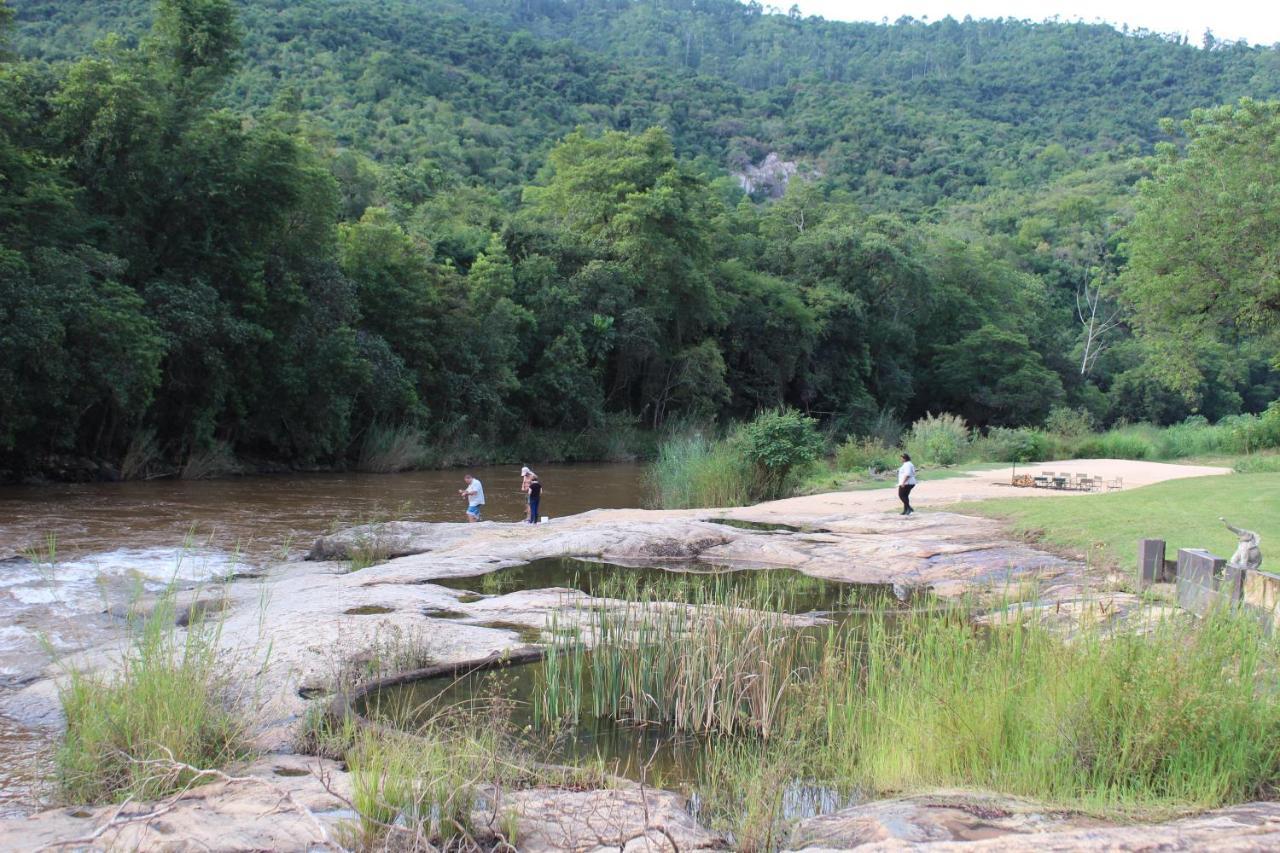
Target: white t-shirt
[[475, 493], [907, 474]]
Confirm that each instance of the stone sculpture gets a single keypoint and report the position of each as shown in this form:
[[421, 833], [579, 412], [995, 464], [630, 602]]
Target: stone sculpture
[[1248, 555]]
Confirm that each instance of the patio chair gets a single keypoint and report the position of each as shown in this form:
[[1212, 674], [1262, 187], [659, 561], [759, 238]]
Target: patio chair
[[1116, 485]]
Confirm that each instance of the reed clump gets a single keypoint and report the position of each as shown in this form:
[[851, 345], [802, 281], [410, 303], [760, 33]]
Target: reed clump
[[718, 664], [1183, 715], [143, 731]]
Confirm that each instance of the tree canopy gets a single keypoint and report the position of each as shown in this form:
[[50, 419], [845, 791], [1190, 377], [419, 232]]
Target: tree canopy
[[278, 229]]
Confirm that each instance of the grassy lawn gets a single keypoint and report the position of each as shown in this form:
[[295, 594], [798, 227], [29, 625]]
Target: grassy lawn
[[1184, 513]]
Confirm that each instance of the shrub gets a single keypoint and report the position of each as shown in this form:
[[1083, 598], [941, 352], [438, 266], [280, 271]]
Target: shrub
[[886, 427], [170, 704], [938, 439], [141, 457], [776, 445], [1068, 422], [1250, 433], [1014, 445], [868, 453]]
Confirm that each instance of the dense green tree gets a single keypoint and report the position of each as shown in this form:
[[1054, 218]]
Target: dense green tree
[[993, 376], [272, 227], [1204, 246]]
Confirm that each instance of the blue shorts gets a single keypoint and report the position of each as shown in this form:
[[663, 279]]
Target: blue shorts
[[474, 510]]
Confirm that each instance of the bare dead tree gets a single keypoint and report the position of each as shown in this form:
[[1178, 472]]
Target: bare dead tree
[[1098, 320]]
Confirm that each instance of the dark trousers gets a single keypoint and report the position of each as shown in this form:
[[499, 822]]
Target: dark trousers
[[904, 495], [533, 510]]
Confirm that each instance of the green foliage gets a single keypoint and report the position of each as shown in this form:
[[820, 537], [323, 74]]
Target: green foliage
[[137, 734], [1002, 444], [916, 699], [1147, 720], [694, 471], [1201, 256], [776, 445], [506, 226], [937, 439], [387, 449], [867, 453], [760, 460], [1068, 422], [1258, 464]]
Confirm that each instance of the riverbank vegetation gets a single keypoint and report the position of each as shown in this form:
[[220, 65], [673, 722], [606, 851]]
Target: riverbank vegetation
[[389, 235], [148, 728], [1179, 716], [693, 470]]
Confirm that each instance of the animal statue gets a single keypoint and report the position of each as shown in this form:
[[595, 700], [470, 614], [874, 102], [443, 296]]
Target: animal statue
[[1248, 555]]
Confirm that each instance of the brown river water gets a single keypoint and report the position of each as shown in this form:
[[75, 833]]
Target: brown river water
[[93, 541]]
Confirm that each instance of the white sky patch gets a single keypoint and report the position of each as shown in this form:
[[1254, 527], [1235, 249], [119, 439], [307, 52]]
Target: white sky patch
[[1257, 22]]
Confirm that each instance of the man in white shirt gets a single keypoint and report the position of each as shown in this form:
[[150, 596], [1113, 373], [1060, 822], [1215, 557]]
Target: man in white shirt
[[474, 493], [906, 482]]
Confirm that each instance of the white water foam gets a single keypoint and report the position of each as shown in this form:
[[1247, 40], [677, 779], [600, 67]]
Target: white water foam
[[82, 585]]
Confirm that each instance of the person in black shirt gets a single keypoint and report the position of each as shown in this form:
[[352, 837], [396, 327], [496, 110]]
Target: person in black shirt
[[535, 495]]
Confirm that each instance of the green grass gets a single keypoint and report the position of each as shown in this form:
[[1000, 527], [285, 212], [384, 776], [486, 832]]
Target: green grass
[[1184, 716], [171, 703], [694, 471], [1106, 528], [1181, 717]]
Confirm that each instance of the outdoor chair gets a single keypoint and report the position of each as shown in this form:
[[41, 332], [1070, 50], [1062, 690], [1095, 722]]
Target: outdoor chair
[[1115, 485]]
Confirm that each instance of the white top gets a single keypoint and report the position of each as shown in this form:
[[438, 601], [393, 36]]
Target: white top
[[475, 493], [907, 474]]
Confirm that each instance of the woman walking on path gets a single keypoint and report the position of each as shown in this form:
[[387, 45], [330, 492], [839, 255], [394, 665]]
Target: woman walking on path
[[906, 482]]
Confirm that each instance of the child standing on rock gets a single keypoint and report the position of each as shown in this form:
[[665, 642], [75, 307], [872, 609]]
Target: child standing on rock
[[535, 496]]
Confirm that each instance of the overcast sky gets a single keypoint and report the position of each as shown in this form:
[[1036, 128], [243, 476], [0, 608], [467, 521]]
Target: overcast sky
[[1258, 21]]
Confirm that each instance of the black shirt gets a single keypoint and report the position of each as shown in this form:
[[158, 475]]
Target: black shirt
[[535, 490]]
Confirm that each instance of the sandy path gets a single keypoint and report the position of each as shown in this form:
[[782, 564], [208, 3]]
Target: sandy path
[[975, 486], [981, 485]]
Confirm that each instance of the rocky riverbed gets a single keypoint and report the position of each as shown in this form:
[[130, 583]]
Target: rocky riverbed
[[289, 630]]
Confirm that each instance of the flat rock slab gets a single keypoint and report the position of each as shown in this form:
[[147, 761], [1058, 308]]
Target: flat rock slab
[[960, 821], [278, 804], [615, 819], [943, 816]]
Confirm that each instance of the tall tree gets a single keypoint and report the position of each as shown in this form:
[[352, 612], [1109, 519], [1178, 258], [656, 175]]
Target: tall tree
[[1204, 246]]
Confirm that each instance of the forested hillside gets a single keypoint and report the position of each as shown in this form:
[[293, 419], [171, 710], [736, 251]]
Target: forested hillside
[[296, 231]]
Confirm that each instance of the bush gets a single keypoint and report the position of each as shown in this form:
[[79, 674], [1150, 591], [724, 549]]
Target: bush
[[868, 453], [776, 445], [1014, 445], [938, 439], [1069, 423], [1251, 433], [168, 705]]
